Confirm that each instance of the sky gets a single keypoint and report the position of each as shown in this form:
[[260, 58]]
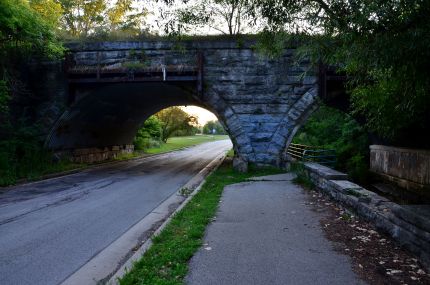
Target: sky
[[203, 115]]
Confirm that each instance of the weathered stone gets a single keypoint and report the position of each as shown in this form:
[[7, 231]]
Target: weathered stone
[[259, 100], [240, 164], [407, 224]]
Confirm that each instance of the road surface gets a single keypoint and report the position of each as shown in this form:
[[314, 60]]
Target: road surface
[[49, 229]]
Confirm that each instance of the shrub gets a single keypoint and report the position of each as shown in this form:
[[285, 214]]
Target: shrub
[[333, 129], [149, 135]]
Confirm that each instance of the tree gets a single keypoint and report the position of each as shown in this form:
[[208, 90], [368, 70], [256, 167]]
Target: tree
[[213, 127], [148, 134], [174, 119], [24, 31], [333, 129], [381, 44], [84, 18], [50, 10], [230, 17]]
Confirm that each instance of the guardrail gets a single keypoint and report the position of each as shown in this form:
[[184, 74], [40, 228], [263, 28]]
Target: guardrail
[[319, 155]]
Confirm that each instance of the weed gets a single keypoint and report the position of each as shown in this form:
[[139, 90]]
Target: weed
[[302, 177], [347, 217], [185, 191]]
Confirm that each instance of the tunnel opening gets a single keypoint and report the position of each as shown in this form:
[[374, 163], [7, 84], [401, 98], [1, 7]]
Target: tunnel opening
[[103, 119], [178, 127]]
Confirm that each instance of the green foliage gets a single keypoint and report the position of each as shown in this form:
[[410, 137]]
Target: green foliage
[[27, 30], [101, 19], [50, 10], [24, 31], [4, 101], [228, 17], [149, 135], [214, 127], [381, 44], [166, 261], [302, 177], [23, 156], [174, 119], [331, 128]]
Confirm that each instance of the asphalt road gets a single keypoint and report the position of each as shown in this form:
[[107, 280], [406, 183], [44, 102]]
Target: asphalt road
[[49, 229]]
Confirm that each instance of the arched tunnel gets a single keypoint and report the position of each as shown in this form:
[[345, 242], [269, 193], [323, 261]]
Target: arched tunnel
[[111, 114]]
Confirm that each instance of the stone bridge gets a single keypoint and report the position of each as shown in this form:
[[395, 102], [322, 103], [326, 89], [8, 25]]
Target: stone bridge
[[115, 86]]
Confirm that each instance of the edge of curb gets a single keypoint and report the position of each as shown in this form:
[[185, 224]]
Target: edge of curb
[[197, 185]]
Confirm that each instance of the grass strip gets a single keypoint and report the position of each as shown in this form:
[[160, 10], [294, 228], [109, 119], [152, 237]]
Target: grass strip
[[166, 261], [181, 142]]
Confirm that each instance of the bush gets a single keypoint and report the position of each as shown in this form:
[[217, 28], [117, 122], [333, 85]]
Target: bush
[[26, 158], [149, 135], [330, 128]]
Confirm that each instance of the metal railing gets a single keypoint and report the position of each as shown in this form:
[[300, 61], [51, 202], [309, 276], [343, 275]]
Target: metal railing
[[319, 155]]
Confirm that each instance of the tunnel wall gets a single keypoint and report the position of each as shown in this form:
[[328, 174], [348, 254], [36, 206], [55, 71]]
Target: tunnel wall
[[260, 101]]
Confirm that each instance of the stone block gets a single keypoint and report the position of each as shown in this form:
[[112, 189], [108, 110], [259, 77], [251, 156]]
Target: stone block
[[325, 172], [310, 80], [260, 137], [240, 164]]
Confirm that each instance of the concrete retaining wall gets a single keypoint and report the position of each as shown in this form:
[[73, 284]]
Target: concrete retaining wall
[[408, 168], [407, 224]]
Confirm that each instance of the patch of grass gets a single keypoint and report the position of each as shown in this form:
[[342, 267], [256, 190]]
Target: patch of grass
[[127, 156], [32, 166], [166, 261], [185, 191], [181, 142], [302, 178]]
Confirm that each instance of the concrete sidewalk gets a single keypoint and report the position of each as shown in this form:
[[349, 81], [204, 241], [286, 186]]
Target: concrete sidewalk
[[265, 234]]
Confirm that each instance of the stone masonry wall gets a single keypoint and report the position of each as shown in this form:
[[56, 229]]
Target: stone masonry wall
[[261, 101], [91, 155], [408, 224]]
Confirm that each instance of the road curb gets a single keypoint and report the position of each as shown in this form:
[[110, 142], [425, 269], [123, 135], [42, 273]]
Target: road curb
[[196, 181], [113, 261]]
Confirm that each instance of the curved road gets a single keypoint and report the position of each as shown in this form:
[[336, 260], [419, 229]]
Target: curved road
[[49, 229]]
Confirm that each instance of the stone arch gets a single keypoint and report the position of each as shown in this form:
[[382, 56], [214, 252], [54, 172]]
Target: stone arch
[[111, 114]]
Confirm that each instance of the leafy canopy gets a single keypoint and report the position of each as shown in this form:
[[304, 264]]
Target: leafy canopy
[[24, 30], [381, 44], [175, 119]]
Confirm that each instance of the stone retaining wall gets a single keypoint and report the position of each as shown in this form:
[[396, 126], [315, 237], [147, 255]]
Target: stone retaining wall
[[407, 224], [91, 155], [408, 168]]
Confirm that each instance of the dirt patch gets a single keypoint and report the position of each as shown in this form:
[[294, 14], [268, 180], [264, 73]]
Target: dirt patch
[[376, 257]]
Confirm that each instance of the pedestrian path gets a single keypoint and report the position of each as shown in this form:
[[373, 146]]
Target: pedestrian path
[[264, 233]]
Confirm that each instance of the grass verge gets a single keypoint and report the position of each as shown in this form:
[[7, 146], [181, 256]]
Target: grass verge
[[181, 142], [166, 261]]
